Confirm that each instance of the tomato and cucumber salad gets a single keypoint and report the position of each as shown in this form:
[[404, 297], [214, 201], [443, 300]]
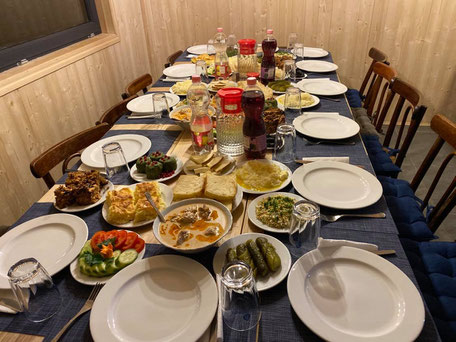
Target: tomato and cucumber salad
[[108, 252]]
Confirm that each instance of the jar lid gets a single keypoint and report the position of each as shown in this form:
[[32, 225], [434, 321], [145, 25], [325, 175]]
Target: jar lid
[[219, 29], [247, 46], [230, 100], [196, 78]]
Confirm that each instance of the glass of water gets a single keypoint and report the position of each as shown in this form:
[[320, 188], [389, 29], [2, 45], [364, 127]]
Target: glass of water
[[292, 40], [299, 50], [304, 227], [292, 104], [201, 69], [35, 292], [160, 105], [285, 144], [210, 47], [114, 159], [240, 301]]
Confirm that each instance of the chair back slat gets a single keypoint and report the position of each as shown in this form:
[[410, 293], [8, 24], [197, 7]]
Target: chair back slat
[[44, 163], [443, 207], [138, 84], [377, 56], [172, 58], [393, 121], [115, 112]]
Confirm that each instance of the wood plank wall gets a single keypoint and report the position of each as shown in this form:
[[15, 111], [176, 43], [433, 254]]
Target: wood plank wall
[[418, 35]]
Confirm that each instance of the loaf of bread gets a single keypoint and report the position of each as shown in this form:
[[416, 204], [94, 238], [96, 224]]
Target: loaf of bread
[[189, 186], [221, 188]]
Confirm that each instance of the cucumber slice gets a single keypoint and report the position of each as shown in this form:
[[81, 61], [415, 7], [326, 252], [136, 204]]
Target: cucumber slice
[[100, 269], [86, 248], [111, 268], [127, 257]]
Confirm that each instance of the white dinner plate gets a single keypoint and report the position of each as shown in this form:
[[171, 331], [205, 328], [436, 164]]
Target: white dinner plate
[[325, 88], [167, 193], [88, 280], [284, 184], [142, 177], [281, 106], [337, 185], [349, 294], [54, 240], [162, 298], [144, 105], [251, 211], [326, 126], [316, 66], [77, 208], [133, 147], [180, 70], [262, 283], [200, 49], [311, 52], [194, 202]]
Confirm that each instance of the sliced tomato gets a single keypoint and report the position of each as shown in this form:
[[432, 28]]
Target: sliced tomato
[[120, 239], [112, 234], [139, 245], [97, 238], [130, 241]]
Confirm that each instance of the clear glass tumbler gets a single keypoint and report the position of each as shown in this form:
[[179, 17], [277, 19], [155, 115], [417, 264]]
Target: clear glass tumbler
[[210, 50], [292, 40], [35, 292], [289, 70], [285, 144], [201, 69], [240, 301], [292, 104], [160, 107], [304, 227], [114, 159], [299, 50]]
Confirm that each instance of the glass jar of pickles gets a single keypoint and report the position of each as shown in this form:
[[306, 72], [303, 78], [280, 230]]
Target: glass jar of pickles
[[247, 58]]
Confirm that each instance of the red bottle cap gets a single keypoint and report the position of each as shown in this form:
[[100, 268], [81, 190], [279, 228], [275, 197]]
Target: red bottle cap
[[219, 29], [269, 31], [230, 100], [253, 74], [251, 81], [247, 46], [196, 78]]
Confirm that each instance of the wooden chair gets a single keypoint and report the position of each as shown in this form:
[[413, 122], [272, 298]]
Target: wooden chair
[[383, 75], [137, 85], [405, 93], [115, 112], [172, 58], [446, 131], [377, 56], [65, 151]]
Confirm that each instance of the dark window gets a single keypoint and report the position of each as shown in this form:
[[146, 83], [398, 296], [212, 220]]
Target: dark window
[[32, 28]]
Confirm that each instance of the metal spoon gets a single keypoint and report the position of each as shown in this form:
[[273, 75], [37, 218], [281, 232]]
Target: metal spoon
[[152, 203]]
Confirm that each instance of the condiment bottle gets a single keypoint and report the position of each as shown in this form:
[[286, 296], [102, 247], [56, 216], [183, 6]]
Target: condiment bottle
[[247, 58], [269, 46], [222, 68]]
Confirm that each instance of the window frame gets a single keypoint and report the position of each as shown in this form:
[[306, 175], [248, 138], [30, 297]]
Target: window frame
[[11, 57]]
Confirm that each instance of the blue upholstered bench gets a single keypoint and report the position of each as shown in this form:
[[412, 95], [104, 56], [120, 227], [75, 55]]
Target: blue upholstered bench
[[380, 159], [434, 265]]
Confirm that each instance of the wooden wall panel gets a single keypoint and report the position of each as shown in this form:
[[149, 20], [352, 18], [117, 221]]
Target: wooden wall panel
[[418, 35]]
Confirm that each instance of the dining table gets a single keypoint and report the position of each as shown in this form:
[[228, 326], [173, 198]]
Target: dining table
[[278, 320]]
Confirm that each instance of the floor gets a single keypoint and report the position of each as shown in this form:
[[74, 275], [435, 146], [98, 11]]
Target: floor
[[420, 146]]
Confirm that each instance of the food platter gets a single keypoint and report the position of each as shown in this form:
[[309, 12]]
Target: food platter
[[284, 183], [144, 105], [228, 171], [60, 236], [167, 193], [199, 202], [133, 147], [79, 208], [261, 283], [281, 106], [326, 126], [320, 182], [88, 280], [333, 291], [162, 298], [251, 211], [142, 177], [184, 123]]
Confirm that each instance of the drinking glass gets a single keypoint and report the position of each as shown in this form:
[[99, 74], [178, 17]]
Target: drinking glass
[[114, 159], [210, 47], [289, 70], [240, 301], [201, 69], [160, 105], [35, 292], [292, 104], [304, 227], [292, 40], [299, 50], [285, 144]]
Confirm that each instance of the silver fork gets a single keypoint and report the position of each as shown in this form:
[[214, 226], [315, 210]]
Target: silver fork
[[87, 306], [334, 218], [334, 142]]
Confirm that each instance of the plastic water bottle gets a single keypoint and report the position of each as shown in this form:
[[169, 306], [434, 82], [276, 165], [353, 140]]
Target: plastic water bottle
[[200, 122], [269, 46], [222, 68]]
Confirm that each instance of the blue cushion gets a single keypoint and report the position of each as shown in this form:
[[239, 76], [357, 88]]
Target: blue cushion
[[354, 98], [395, 187], [381, 161], [434, 265]]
